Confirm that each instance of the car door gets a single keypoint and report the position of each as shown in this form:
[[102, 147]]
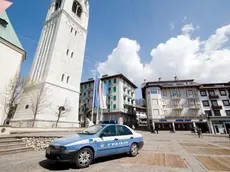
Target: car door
[[107, 143], [125, 138]]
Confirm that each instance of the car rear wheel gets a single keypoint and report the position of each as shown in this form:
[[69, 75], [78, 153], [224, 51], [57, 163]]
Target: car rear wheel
[[133, 150], [84, 158]]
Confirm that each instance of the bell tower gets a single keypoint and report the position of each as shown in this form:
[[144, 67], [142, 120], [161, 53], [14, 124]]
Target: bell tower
[[57, 65]]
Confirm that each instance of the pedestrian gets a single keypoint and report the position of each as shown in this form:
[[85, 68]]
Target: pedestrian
[[156, 129], [229, 133], [199, 133]]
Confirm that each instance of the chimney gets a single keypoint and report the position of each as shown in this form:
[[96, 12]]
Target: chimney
[[159, 79], [175, 78]]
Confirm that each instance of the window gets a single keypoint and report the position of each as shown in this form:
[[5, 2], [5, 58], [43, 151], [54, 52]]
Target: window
[[214, 102], [203, 93], [72, 55], [76, 8], [190, 93], [109, 131], [109, 98], [114, 97], [3, 22], [85, 86], [62, 77], [84, 93], [211, 92], [114, 106], [27, 106], [223, 93], [208, 112], [226, 103], [67, 80], [217, 113], [108, 107], [109, 89], [205, 103], [114, 89], [58, 4], [75, 33], [227, 112], [122, 131], [115, 81], [164, 92], [110, 81], [67, 52], [71, 29], [88, 93]]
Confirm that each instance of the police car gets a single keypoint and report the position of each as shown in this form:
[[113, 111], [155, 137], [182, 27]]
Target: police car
[[94, 142]]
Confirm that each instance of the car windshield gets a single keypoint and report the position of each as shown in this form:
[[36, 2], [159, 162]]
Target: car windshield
[[92, 129]]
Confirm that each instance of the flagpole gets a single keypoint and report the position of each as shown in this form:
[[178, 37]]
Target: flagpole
[[93, 96]]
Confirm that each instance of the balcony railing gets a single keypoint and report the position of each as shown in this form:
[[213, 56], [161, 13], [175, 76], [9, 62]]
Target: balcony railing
[[213, 96], [194, 106], [217, 107], [178, 107], [193, 96], [175, 96]]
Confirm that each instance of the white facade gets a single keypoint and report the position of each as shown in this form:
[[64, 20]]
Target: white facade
[[57, 65], [121, 94], [10, 61], [161, 103], [216, 104], [11, 58]]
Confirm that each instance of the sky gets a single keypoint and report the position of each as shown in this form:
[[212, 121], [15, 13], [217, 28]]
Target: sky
[[143, 39]]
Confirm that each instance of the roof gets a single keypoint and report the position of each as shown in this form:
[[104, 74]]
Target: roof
[[215, 85], [7, 32], [111, 77]]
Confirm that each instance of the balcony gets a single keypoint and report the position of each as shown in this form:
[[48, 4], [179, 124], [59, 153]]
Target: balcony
[[193, 96], [178, 107], [213, 96], [217, 107], [176, 97], [194, 106]]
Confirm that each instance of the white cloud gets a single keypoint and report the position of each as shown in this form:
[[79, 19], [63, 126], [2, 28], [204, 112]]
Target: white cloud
[[172, 25], [188, 28], [204, 60]]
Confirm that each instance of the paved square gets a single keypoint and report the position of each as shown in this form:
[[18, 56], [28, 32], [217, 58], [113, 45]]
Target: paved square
[[163, 152]]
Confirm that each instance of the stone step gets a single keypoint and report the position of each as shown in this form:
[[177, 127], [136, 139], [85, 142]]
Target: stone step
[[12, 140], [11, 145], [14, 150]]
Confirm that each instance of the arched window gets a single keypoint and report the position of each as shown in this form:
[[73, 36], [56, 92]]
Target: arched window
[[67, 52], [71, 29], [27, 106], [72, 55], [62, 77], [76, 8], [67, 80], [58, 4]]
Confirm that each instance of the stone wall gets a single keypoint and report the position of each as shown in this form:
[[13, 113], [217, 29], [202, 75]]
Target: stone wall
[[38, 143]]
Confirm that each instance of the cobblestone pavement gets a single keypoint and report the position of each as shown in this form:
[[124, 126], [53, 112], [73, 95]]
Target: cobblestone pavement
[[163, 152]]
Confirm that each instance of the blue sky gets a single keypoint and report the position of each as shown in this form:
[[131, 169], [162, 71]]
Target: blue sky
[[146, 21]]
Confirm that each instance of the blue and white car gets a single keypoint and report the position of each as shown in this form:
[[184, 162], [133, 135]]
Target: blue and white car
[[94, 142]]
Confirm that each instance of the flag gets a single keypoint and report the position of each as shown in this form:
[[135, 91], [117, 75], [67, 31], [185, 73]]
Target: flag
[[4, 4], [96, 93], [103, 91]]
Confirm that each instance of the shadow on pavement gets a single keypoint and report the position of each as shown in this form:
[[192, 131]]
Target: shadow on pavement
[[62, 166]]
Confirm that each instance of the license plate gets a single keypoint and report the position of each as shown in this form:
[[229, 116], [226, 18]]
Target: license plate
[[48, 150]]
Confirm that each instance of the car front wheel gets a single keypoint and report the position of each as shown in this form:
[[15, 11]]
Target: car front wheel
[[133, 150], [84, 158]]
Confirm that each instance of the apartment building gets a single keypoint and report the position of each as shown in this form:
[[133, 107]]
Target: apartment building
[[216, 105], [141, 115], [120, 100], [174, 105]]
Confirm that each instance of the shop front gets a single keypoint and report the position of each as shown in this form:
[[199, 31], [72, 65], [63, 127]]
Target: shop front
[[221, 125]]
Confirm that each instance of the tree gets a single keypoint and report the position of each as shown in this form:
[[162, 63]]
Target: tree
[[61, 111], [12, 96], [39, 102], [86, 110]]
